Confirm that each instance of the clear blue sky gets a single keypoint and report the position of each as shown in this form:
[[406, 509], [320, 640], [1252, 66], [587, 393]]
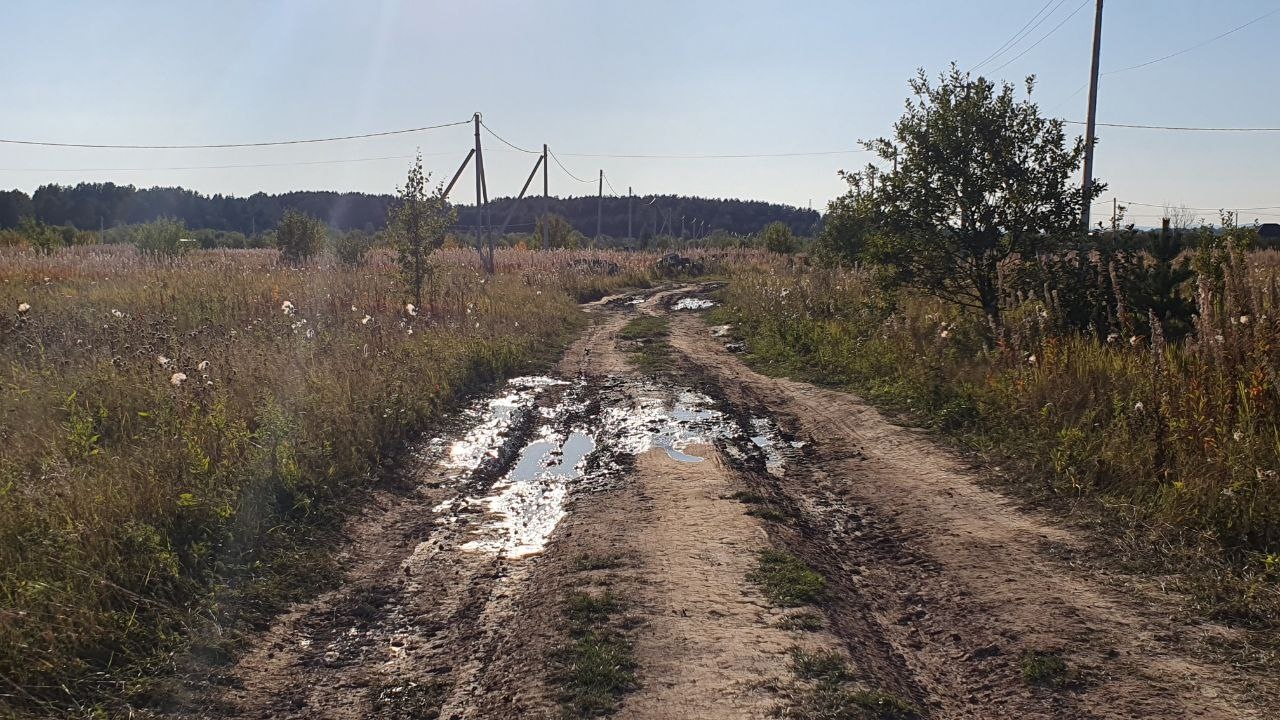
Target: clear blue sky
[[611, 77]]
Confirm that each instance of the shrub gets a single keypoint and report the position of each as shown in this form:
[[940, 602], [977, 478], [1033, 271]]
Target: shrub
[[299, 237]]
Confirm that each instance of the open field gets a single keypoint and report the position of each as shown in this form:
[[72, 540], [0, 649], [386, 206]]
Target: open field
[[241, 489]]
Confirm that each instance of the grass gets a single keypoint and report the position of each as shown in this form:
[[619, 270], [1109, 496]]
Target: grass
[[785, 580], [596, 668], [1176, 449], [184, 437], [588, 562], [825, 689], [1046, 669], [802, 622], [651, 353]]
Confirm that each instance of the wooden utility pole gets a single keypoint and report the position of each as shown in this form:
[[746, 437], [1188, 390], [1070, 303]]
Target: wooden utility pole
[[600, 206], [479, 192], [629, 196], [545, 192], [1089, 137]]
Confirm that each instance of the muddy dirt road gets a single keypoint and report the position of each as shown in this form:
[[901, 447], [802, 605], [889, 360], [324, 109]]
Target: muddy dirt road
[[600, 504]]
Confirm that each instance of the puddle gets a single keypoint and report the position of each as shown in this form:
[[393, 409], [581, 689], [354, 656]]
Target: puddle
[[692, 303], [528, 449]]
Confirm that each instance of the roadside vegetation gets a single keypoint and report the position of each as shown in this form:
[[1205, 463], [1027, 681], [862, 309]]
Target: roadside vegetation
[[647, 337], [1133, 369], [183, 431]]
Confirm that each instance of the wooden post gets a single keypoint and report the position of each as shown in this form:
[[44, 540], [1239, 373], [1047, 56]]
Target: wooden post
[[600, 206], [545, 192], [629, 196], [1089, 135], [507, 220], [479, 190], [463, 166]]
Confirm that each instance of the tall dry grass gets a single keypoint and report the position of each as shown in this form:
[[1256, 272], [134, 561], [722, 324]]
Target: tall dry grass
[[1183, 436], [174, 431]]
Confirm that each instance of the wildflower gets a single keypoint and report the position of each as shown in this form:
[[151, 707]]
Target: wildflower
[[365, 320], [1031, 359], [177, 379], [1133, 340], [1138, 407], [944, 334], [353, 309], [1218, 338], [1237, 436], [23, 308], [1244, 319], [117, 313], [287, 308], [203, 365], [163, 360], [409, 308], [1113, 337]]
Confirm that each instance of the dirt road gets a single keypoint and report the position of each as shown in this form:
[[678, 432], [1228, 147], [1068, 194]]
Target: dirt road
[[598, 505]]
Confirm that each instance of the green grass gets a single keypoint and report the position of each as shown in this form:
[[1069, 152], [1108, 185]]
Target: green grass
[[588, 562], [596, 667], [831, 701], [824, 665], [785, 580], [1046, 669], [651, 353]]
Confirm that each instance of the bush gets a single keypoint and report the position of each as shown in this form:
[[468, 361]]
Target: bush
[[160, 237], [299, 237], [351, 247]]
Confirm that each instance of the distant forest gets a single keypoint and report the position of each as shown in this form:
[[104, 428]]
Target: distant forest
[[88, 206]]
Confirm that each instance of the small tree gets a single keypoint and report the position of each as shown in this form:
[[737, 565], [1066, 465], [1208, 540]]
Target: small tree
[[38, 235], [299, 237], [555, 231], [159, 237], [777, 237], [352, 246], [981, 178], [418, 224]]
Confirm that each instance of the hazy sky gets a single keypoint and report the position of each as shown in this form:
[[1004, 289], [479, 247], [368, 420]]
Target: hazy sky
[[601, 76]]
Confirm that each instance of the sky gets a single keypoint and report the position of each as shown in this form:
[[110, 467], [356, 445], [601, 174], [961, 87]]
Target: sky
[[662, 77]]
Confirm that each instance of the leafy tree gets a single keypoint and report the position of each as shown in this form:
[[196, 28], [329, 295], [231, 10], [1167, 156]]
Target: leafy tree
[[352, 247], [299, 237], [418, 224], [777, 237], [555, 231], [981, 178], [160, 237], [38, 235], [851, 219]]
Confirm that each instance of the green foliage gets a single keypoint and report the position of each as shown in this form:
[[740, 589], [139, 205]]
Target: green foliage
[[785, 580], [777, 237], [160, 237], [1044, 668], [352, 247], [554, 231], [596, 668], [981, 177], [418, 225], [299, 237], [40, 236]]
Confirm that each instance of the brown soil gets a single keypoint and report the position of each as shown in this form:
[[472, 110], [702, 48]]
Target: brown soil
[[937, 586]]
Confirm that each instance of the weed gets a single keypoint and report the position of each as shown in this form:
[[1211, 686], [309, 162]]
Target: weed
[[748, 497], [785, 580], [833, 701], [651, 352], [596, 667], [1047, 669], [768, 514], [823, 665], [802, 622]]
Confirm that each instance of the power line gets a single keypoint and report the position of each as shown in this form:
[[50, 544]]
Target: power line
[[713, 157], [565, 169], [1016, 37], [234, 145], [223, 167], [1042, 38], [1178, 127], [606, 182], [506, 142], [1208, 209], [1194, 47]]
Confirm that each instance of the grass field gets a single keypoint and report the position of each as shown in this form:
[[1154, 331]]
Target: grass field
[[180, 434]]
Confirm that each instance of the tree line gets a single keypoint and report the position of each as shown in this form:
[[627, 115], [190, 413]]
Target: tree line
[[91, 206]]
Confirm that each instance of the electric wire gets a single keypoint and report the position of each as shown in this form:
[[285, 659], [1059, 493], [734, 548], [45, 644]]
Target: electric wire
[[606, 182], [506, 142], [1044, 37], [565, 169], [233, 145], [1177, 127], [1194, 47], [225, 167], [1017, 37]]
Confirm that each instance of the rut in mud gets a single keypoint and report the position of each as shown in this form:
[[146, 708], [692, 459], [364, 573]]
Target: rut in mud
[[598, 482]]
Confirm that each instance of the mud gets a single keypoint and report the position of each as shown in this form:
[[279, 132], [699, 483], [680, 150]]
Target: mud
[[453, 600]]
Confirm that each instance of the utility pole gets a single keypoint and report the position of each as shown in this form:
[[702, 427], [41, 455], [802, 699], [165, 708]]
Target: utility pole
[[600, 206], [480, 196], [545, 192], [1089, 137], [629, 196]]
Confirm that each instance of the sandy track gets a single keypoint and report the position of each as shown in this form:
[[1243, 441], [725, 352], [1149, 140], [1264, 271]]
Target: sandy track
[[936, 584], [953, 580]]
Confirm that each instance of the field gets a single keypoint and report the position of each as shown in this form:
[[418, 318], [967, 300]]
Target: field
[[581, 486]]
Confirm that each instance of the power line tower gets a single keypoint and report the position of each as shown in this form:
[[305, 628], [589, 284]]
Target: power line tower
[[1090, 122]]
